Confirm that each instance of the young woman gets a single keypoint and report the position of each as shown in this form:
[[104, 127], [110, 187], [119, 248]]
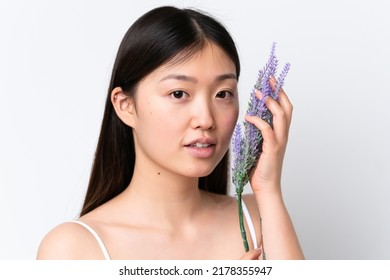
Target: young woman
[[159, 179]]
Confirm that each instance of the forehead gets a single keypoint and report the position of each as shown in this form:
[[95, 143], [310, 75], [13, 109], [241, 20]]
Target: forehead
[[210, 61]]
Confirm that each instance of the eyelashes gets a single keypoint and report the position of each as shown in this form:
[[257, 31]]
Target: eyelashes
[[181, 94], [225, 94]]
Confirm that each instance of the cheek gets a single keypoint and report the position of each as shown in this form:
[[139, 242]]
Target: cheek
[[228, 122], [159, 124], [231, 118]]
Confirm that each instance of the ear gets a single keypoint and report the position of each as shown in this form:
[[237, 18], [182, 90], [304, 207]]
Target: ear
[[124, 106]]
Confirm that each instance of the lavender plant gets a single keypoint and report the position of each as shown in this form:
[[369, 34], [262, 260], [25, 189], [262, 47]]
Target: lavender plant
[[247, 142]]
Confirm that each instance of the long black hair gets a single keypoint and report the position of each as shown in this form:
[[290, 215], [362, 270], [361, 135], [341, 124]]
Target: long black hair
[[156, 38]]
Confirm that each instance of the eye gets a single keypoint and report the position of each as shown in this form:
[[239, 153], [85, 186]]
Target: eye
[[179, 94], [225, 94]]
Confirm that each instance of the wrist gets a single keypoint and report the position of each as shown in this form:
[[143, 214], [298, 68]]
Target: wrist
[[269, 195], [267, 189]]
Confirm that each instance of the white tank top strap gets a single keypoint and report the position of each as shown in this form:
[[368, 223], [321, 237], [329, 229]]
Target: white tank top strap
[[98, 239], [250, 224]]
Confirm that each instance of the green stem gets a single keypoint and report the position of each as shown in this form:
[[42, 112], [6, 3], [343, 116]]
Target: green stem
[[241, 219]]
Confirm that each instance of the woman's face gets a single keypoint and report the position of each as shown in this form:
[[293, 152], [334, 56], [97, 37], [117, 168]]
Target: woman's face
[[185, 114]]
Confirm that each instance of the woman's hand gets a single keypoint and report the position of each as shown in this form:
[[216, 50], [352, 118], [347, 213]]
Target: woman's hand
[[278, 234], [252, 255], [266, 175]]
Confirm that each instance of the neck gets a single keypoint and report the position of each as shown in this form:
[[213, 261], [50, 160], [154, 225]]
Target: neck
[[165, 197]]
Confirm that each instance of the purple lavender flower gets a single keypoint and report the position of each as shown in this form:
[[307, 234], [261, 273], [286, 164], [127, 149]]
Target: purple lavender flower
[[239, 169], [247, 146], [280, 80]]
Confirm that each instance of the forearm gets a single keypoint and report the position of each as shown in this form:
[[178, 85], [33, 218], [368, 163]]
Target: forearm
[[279, 239]]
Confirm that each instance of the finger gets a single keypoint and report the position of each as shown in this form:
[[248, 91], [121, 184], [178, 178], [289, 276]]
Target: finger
[[272, 81], [264, 127], [284, 101], [280, 120], [259, 94], [251, 255]]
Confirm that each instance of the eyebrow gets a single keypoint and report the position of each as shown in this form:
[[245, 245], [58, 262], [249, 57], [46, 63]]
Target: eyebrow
[[186, 78]]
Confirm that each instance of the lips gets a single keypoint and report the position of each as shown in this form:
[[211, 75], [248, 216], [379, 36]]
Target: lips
[[201, 143], [201, 148]]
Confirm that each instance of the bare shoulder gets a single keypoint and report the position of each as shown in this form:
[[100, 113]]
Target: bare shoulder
[[228, 206], [69, 241], [250, 202]]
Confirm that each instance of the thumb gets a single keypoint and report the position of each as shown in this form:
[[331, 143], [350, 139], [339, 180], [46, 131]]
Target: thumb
[[252, 255]]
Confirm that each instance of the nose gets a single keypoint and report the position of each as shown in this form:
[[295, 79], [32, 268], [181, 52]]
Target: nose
[[202, 116]]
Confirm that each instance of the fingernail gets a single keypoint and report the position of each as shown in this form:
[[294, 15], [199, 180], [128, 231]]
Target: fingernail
[[259, 94], [247, 118]]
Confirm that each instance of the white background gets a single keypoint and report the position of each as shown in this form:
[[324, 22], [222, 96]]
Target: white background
[[55, 65]]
